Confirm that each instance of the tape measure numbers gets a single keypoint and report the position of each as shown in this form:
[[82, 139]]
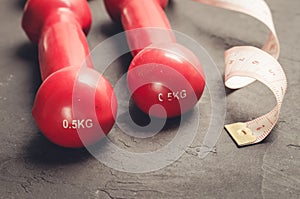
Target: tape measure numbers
[[246, 64]]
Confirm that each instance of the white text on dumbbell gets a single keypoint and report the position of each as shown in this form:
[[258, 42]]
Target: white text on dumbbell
[[77, 124], [170, 96]]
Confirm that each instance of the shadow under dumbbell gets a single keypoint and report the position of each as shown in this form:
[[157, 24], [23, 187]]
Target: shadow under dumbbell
[[142, 123], [20, 4], [41, 151], [110, 28], [28, 52], [118, 67]]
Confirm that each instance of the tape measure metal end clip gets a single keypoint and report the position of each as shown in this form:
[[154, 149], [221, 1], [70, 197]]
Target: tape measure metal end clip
[[240, 133]]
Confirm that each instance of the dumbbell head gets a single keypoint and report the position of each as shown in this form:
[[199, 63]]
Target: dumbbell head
[[167, 74], [36, 13], [114, 7], [67, 124]]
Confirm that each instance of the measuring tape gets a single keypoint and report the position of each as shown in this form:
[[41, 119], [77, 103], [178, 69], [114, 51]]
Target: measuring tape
[[245, 64]]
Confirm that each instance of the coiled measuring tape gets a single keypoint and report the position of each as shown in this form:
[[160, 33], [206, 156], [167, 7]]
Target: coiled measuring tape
[[245, 64]]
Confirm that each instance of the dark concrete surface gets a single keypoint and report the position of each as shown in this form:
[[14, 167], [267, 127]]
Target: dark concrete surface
[[31, 167]]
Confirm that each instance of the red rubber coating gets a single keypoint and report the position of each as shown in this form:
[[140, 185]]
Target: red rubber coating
[[36, 12], [58, 27], [115, 7], [152, 48]]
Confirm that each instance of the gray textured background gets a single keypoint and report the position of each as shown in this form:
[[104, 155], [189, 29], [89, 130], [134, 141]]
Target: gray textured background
[[31, 167]]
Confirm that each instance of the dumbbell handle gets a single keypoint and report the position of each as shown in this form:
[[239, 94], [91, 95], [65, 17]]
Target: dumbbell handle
[[62, 44], [145, 14]]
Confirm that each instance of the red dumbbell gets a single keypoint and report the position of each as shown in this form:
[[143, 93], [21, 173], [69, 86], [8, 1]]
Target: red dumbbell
[[175, 77], [59, 27]]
